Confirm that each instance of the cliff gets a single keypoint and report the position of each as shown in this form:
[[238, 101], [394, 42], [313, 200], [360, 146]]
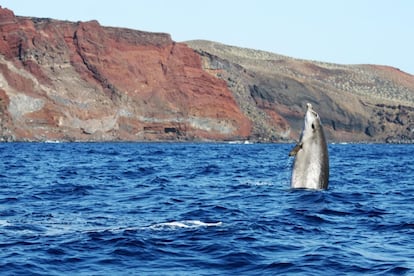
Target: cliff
[[356, 102], [79, 81]]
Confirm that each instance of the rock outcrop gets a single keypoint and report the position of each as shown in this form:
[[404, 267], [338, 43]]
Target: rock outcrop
[[80, 81], [356, 102]]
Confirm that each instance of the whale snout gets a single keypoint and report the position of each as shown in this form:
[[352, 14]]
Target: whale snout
[[311, 110]]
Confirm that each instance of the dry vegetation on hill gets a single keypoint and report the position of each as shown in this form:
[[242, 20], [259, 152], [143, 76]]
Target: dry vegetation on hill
[[356, 102], [80, 81]]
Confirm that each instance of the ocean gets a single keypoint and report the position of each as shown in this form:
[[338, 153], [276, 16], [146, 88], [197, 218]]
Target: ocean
[[202, 209]]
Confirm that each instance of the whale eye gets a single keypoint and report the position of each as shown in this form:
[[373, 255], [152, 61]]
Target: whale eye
[[313, 126]]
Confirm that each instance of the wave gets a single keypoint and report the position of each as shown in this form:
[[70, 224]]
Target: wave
[[257, 183], [4, 223], [58, 228], [192, 224]]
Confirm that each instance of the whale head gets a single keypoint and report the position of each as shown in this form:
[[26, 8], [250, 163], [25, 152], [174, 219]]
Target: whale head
[[312, 124]]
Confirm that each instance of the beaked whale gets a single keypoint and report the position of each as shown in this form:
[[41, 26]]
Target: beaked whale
[[311, 165]]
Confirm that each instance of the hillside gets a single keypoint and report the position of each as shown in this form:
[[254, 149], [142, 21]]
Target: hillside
[[356, 102], [80, 81]]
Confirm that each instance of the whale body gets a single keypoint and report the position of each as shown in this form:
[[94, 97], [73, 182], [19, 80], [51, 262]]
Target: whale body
[[311, 164]]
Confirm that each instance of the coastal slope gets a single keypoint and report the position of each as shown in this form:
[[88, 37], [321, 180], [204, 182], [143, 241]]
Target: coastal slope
[[80, 81], [356, 102]]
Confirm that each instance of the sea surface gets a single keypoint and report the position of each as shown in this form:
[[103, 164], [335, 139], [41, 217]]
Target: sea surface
[[202, 209]]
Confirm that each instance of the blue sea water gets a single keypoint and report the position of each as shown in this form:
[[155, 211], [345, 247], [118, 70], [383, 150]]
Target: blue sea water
[[202, 209]]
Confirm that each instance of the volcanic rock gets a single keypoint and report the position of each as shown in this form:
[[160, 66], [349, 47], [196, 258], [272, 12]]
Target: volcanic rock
[[356, 102], [80, 81]]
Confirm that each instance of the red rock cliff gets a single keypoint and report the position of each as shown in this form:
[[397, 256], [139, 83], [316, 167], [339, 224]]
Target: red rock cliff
[[80, 81]]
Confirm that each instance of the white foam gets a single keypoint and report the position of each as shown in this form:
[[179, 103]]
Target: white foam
[[57, 227], [4, 223], [60, 229], [183, 224], [257, 183]]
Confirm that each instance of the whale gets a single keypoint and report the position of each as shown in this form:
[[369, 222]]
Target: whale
[[311, 163]]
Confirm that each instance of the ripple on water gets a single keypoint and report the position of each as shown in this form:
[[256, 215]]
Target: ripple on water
[[154, 208]]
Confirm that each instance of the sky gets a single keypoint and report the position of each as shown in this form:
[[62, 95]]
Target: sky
[[339, 31]]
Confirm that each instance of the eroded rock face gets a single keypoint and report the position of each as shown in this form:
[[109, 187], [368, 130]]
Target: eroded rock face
[[80, 81], [356, 102]]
